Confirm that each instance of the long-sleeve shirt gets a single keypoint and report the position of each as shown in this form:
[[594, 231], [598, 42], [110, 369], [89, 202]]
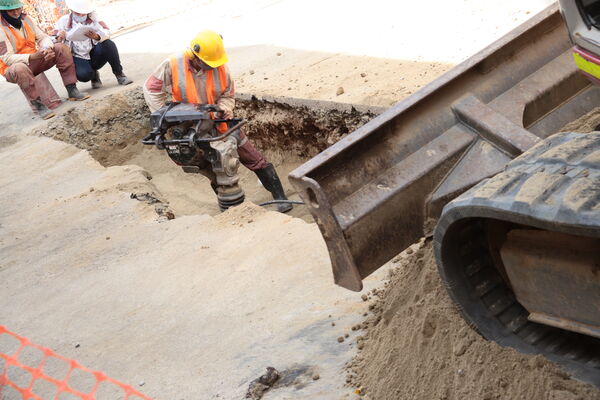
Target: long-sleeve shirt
[[159, 86], [7, 52], [82, 48]]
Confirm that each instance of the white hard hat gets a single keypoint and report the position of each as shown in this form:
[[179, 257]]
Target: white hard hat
[[80, 6]]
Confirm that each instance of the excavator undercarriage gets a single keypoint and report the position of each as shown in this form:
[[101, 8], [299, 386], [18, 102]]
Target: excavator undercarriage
[[520, 253], [475, 160]]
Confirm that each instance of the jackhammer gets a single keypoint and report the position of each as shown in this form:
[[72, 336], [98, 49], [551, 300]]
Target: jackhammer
[[190, 136]]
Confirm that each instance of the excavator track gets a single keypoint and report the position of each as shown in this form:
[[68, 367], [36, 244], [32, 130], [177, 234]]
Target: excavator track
[[553, 189]]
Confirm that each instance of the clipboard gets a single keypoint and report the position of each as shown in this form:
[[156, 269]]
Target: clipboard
[[78, 34]]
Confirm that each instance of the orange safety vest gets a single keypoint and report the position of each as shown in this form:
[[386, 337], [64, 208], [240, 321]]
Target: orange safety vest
[[184, 86], [20, 44]]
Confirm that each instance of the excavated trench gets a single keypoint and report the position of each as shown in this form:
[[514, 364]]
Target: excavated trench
[[288, 131]]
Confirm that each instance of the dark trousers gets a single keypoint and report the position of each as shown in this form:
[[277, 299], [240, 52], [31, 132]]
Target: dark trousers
[[102, 53], [249, 155]]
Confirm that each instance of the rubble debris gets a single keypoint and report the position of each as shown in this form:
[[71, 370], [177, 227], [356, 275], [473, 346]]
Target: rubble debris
[[259, 386], [164, 212], [145, 197]]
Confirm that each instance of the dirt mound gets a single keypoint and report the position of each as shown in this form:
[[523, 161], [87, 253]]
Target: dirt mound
[[111, 128], [418, 347]]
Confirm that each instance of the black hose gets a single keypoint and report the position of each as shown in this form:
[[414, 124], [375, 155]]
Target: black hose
[[266, 203], [227, 133]]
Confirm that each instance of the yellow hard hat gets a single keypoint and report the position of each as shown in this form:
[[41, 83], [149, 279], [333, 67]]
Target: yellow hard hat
[[208, 46]]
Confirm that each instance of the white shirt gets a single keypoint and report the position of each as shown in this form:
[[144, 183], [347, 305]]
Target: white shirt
[[82, 48]]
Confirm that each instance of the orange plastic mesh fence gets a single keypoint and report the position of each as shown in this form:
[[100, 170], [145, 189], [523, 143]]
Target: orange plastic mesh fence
[[29, 371]]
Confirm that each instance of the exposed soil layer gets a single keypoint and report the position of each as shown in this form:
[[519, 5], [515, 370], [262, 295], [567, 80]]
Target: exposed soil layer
[[417, 346], [288, 131], [301, 127], [111, 128]]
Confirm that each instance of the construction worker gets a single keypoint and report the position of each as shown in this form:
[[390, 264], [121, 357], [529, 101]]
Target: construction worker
[[95, 49], [26, 51], [199, 75]]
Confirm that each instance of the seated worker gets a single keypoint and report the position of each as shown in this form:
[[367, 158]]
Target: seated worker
[[26, 51], [204, 78], [92, 51]]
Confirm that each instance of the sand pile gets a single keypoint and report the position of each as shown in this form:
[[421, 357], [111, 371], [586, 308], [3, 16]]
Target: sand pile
[[418, 347]]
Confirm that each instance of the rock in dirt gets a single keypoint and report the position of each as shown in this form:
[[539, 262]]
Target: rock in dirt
[[422, 349], [145, 197], [339, 91], [164, 211], [259, 386]]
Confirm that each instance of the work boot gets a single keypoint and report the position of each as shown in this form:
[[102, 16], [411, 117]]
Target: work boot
[[123, 80], [74, 94], [41, 109], [269, 179], [96, 82]]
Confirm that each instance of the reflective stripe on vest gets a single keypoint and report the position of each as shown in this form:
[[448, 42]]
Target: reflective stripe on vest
[[184, 85], [20, 44], [214, 88]]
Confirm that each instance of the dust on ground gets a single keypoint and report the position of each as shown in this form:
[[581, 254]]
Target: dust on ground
[[196, 305], [119, 15], [417, 346], [343, 78]]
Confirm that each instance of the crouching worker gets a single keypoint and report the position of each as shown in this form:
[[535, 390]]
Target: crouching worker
[[26, 51], [199, 75], [91, 48]]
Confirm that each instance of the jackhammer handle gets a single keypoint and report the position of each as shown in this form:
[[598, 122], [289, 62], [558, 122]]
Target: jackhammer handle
[[197, 140], [151, 137]]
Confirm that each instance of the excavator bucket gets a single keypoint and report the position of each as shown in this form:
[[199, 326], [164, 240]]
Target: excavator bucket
[[383, 187]]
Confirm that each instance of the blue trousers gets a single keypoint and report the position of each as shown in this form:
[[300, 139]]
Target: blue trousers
[[102, 53]]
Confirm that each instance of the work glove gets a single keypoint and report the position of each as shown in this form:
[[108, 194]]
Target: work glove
[[226, 113]]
